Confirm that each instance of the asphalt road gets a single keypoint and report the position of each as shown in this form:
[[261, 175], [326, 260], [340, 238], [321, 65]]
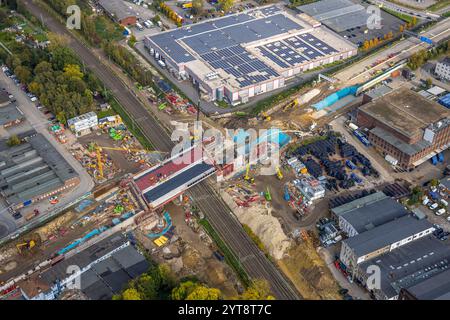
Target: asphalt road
[[218, 213]]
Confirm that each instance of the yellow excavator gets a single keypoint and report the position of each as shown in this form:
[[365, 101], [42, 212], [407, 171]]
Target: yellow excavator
[[28, 244], [247, 176], [291, 104], [265, 116], [279, 173]]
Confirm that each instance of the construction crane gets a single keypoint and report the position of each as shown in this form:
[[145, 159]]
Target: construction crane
[[291, 104], [99, 162], [29, 245], [247, 176]]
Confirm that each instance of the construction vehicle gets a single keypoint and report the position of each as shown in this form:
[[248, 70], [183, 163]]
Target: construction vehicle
[[247, 176], [267, 195], [279, 173], [265, 116], [291, 104], [28, 244], [32, 215]]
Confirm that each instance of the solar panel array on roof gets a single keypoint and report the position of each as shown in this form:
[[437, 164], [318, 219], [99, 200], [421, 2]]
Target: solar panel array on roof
[[236, 61], [286, 52], [273, 57], [224, 32], [316, 43]]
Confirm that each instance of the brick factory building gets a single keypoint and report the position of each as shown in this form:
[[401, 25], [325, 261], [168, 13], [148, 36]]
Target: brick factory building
[[406, 126]]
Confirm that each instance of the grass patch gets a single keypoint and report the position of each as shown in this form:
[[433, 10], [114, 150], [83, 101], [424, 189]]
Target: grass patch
[[399, 15], [107, 30], [255, 239], [439, 5], [229, 257], [115, 106], [222, 104], [106, 113]]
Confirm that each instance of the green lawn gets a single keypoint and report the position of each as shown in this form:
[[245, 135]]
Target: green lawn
[[107, 30], [439, 5], [399, 15]]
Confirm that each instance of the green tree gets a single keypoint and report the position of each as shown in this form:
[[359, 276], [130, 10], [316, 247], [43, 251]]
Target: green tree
[[204, 293], [14, 140], [191, 290], [197, 7], [226, 5], [131, 294], [73, 71], [23, 74], [258, 290]]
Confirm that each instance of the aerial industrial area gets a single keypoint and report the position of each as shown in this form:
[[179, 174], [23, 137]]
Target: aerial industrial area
[[224, 150]]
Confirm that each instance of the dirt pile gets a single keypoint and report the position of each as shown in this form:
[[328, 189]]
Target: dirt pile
[[309, 273], [264, 225]]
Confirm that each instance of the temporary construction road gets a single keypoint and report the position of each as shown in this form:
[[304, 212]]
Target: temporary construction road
[[218, 213]]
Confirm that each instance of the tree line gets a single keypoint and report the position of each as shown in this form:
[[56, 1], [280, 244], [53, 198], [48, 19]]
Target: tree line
[[99, 31], [54, 74], [159, 283]]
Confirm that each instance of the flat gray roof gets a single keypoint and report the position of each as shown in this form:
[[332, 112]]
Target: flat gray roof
[[405, 111], [117, 8], [411, 264], [32, 168], [369, 212], [339, 15], [434, 288], [107, 277], [9, 113], [386, 234]]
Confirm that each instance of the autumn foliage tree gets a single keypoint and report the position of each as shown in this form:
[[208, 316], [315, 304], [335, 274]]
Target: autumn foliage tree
[[258, 290]]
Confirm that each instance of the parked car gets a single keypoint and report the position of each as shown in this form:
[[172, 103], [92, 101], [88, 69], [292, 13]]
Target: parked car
[[425, 201], [440, 212], [433, 205]]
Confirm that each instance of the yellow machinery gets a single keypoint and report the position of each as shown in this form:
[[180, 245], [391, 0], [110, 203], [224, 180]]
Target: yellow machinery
[[265, 116], [128, 149], [29, 245], [99, 162], [247, 176], [279, 173], [291, 104]]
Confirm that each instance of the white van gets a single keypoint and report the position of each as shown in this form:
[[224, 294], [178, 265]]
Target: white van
[[161, 63], [425, 201], [445, 203], [148, 24], [139, 26], [440, 212]]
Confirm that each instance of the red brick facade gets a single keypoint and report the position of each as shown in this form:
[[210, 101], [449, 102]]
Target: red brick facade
[[128, 21], [441, 138]]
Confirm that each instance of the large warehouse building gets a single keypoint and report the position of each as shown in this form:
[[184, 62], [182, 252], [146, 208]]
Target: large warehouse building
[[33, 171], [351, 19], [406, 126], [239, 56]]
